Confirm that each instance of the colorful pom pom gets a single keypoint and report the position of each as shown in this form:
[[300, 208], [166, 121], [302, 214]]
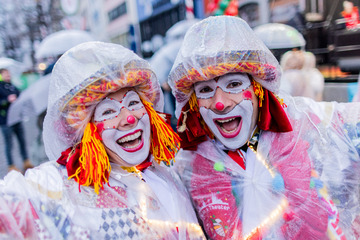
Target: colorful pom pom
[[218, 166]]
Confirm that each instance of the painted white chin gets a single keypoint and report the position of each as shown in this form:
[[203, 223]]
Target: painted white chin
[[132, 146], [233, 128]]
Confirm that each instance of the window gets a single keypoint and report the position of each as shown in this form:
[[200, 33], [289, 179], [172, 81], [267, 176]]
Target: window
[[117, 12]]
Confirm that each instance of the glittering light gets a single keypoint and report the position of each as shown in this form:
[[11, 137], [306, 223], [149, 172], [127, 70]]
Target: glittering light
[[42, 66], [193, 228], [277, 211], [270, 219], [261, 159]]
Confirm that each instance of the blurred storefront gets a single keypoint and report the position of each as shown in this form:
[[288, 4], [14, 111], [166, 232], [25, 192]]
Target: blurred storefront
[[336, 45], [118, 21], [155, 18]]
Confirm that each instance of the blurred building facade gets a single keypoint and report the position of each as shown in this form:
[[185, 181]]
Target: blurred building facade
[[119, 20]]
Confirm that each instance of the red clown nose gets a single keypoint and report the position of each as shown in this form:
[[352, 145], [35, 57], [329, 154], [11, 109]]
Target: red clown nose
[[130, 119], [219, 106]]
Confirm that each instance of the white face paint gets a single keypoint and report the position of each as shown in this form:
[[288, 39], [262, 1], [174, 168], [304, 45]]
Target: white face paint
[[229, 107], [133, 145], [240, 118], [124, 126]]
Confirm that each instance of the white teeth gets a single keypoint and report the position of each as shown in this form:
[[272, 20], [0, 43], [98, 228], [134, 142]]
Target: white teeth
[[226, 120], [130, 137], [228, 131]]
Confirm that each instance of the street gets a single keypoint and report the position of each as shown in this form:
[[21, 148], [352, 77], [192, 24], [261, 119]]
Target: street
[[31, 134]]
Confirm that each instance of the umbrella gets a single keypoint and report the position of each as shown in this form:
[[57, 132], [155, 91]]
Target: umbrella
[[278, 36], [179, 29], [59, 42], [15, 67], [31, 102], [164, 58]]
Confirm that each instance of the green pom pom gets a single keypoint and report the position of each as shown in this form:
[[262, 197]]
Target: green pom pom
[[312, 184], [218, 166]]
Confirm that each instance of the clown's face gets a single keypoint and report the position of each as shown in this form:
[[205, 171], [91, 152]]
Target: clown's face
[[229, 107], [124, 126]]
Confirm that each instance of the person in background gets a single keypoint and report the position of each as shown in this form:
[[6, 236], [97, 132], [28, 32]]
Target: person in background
[[8, 94], [164, 58], [259, 164], [110, 153], [351, 15], [300, 76]]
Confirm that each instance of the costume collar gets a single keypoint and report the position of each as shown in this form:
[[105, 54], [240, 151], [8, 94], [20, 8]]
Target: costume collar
[[253, 141], [237, 154]]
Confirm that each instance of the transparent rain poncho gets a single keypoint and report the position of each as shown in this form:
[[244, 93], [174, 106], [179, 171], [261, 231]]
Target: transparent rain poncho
[[46, 204], [301, 184]]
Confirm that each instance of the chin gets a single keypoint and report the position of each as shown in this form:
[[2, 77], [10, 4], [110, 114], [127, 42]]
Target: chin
[[115, 158]]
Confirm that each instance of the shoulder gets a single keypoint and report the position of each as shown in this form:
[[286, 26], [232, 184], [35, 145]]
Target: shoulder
[[48, 178], [44, 179]]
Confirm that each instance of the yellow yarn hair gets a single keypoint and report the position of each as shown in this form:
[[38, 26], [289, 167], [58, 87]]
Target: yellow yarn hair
[[259, 92], [165, 142], [193, 103], [94, 162]]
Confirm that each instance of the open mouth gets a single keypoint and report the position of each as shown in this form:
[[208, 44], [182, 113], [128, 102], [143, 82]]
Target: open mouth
[[229, 127], [131, 142]]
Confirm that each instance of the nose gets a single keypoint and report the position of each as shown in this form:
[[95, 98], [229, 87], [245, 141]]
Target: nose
[[221, 101], [130, 119], [126, 120], [219, 106]]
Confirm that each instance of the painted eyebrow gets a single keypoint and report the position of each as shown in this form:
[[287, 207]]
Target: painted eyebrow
[[237, 76], [236, 79], [122, 97]]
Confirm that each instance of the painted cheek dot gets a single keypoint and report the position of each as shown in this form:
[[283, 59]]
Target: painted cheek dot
[[130, 119], [219, 106], [247, 94], [100, 127]]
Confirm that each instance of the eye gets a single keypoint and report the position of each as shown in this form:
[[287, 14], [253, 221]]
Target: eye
[[234, 84], [133, 103], [107, 112], [206, 89]]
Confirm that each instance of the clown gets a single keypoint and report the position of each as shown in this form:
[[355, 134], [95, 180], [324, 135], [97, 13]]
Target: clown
[[257, 163], [110, 152]]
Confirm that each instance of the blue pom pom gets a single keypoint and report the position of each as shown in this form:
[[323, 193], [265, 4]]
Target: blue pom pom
[[278, 183], [318, 184]]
